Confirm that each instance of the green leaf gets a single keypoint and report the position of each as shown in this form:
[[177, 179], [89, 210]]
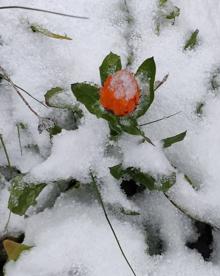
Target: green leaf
[[110, 65], [50, 95], [173, 14], [130, 126], [162, 2], [14, 249], [146, 75], [162, 183], [167, 182], [142, 178], [88, 95], [23, 195], [54, 130], [117, 171], [174, 139], [38, 29], [192, 41]]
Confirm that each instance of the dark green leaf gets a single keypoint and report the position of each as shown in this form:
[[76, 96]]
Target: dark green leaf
[[174, 139], [54, 130], [117, 171], [163, 182], [192, 41], [142, 178], [23, 195], [166, 182], [88, 95], [110, 65], [130, 126], [50, 94], [173, 14], [146, 75], [14, 249]]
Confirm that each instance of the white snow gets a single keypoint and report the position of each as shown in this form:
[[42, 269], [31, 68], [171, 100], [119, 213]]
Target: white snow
[[124, 85], [72, 237]]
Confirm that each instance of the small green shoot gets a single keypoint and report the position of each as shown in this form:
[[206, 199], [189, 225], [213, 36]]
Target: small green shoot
[[192, 41]]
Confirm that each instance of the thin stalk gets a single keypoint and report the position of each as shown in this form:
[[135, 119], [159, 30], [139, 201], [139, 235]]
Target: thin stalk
[[109, 223], [161, 82], [5, 151], [191, 216], [19, 137], [7, 223], [44, 11], [163, 118], [7, 78], [22, 89]]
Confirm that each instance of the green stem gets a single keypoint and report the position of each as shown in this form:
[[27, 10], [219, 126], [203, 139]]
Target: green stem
[[7, 223], [6, 153], [19, 137], [109, 223], [185, 212]]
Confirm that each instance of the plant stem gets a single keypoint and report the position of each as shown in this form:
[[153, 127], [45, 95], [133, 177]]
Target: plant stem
[[7, 78], [163, 118], [6, 153], [7, 223], [19, 137], [109, 223], [185, 212], [22, 89], [41, 10]]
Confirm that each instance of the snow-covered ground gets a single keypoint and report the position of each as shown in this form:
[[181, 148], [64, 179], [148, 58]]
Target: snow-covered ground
[[72, 237]]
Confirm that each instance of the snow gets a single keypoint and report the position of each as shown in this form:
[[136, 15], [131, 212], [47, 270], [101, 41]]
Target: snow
[[72, 237], [123, 85]]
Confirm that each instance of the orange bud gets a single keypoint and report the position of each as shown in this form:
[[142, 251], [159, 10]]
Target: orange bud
[[120, 93]]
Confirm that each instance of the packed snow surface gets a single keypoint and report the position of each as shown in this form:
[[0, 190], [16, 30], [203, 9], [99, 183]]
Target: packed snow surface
[[69, 235]]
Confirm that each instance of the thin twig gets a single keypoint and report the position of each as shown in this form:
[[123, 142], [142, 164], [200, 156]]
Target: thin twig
[[6, 153], [19, 137], [191, 216], [7, 78], [7, 223], [25, 91], [163, 118], [45, 11], [22, 89], [109, 223]]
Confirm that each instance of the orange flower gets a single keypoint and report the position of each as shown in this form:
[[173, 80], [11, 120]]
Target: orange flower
[[120, 93]]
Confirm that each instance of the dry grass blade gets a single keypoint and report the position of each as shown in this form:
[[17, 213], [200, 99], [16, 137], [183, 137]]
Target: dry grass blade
[[45, 11]]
